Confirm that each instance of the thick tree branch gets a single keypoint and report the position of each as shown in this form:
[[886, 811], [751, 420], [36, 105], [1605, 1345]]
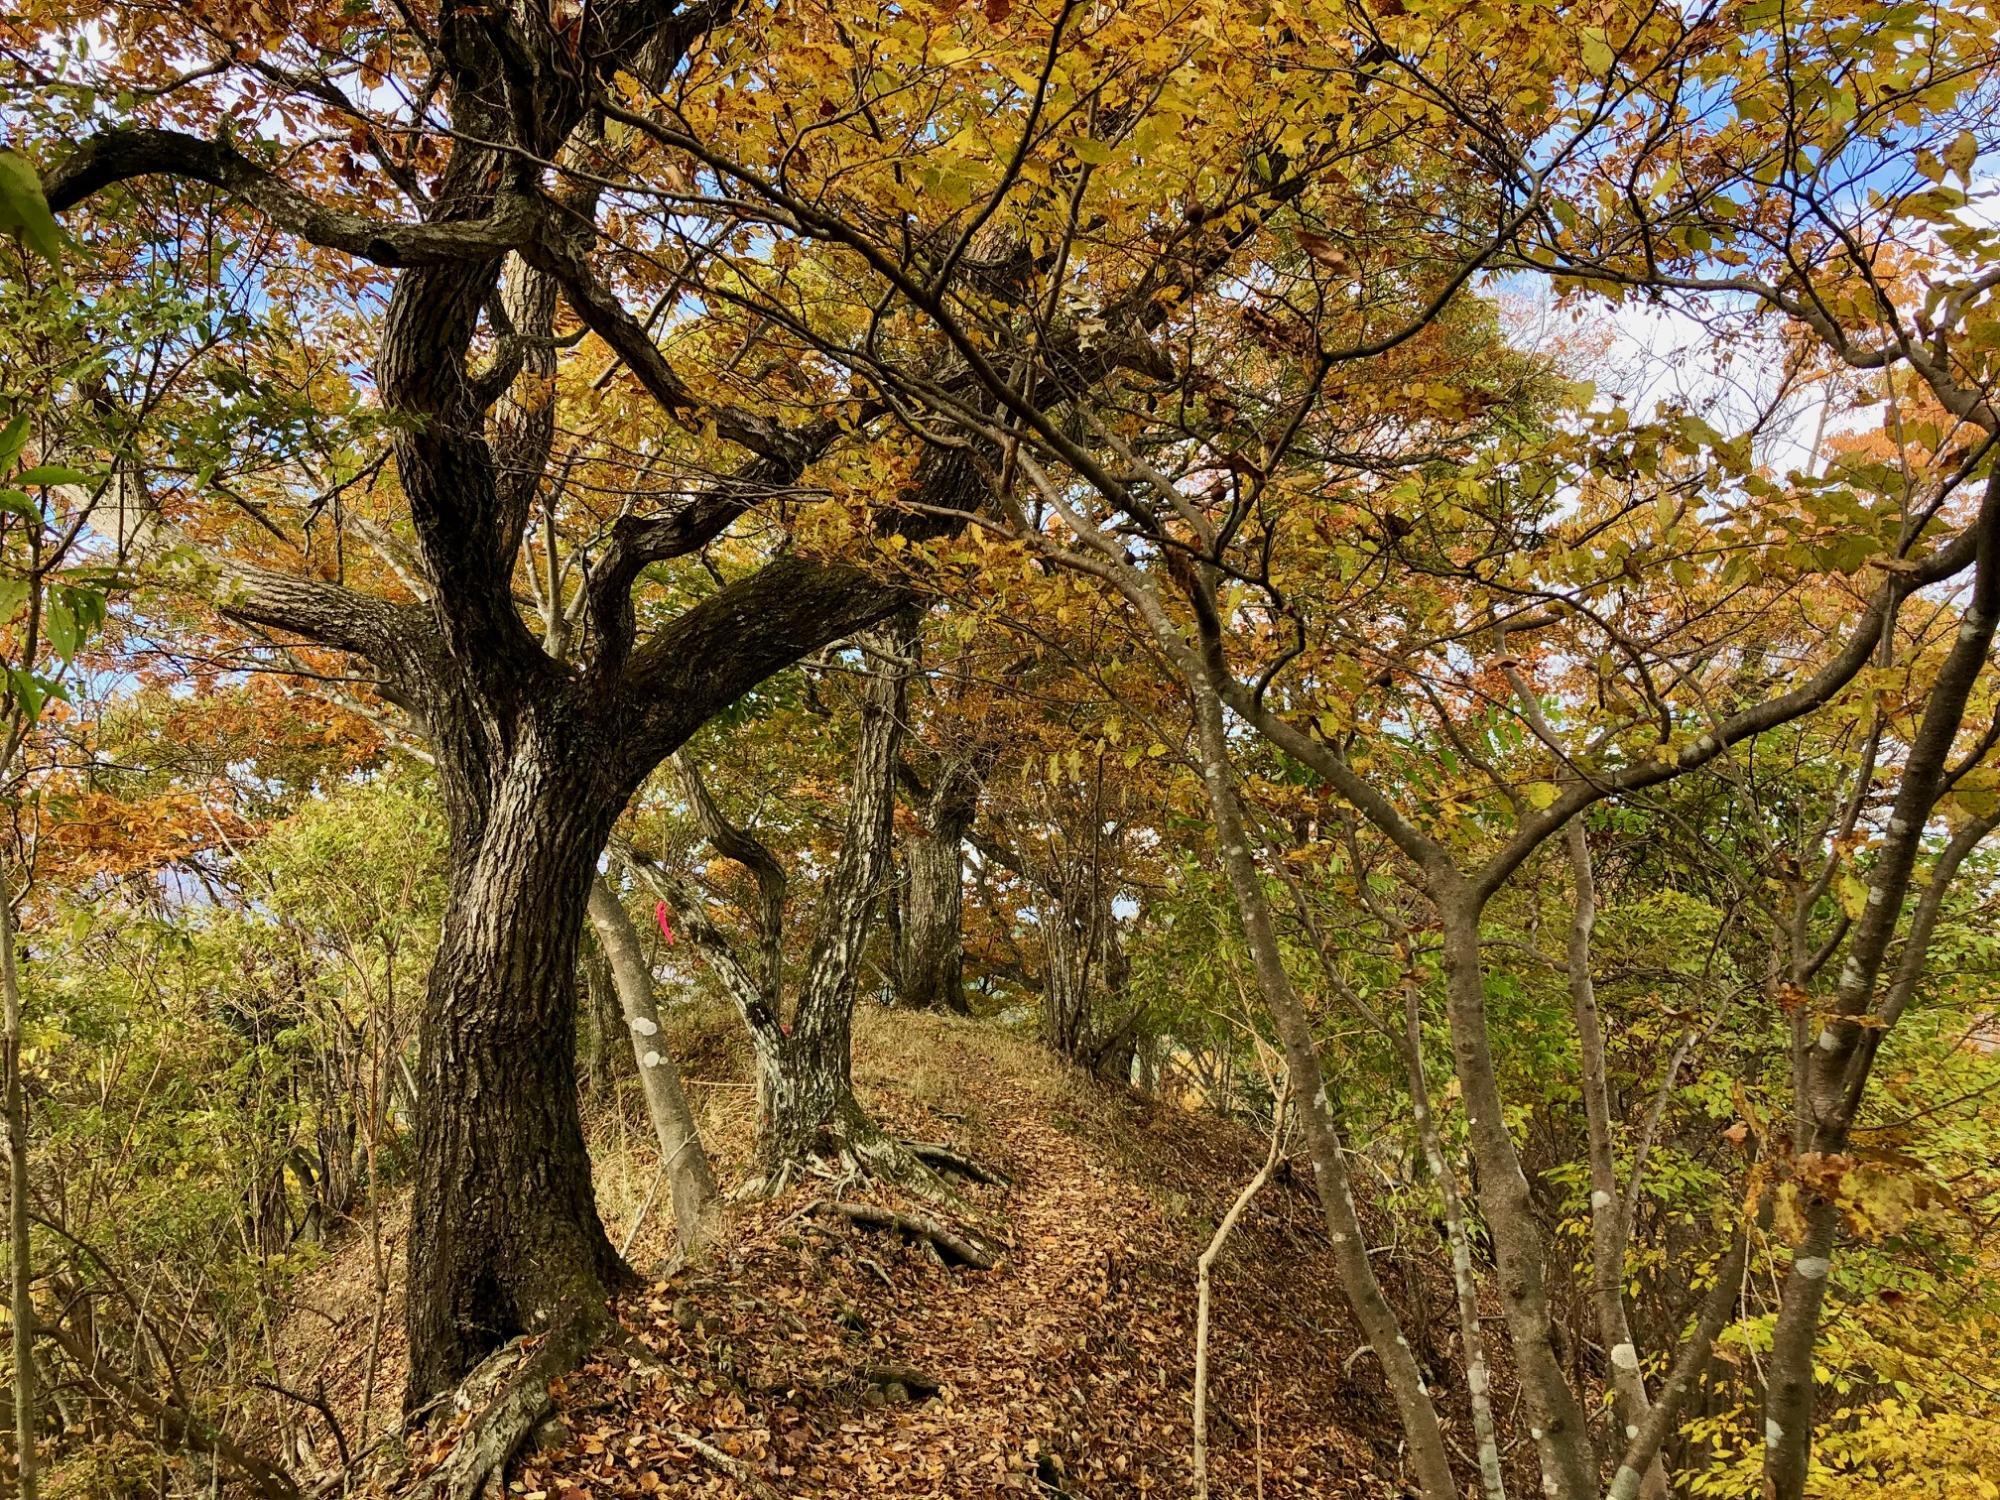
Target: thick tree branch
[[387, 634], [714, 653], [117, 156]]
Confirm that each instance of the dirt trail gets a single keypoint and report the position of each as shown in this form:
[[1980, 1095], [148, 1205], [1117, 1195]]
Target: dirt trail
[[826, 1359]]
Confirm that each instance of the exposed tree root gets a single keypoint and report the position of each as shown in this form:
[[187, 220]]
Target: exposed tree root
[[734, 1467], [508, 1395], [933, 1154], [958, 1247], [845, 1155]]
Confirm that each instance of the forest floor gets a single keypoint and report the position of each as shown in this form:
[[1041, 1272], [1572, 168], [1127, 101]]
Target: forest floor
[[808, 1356]]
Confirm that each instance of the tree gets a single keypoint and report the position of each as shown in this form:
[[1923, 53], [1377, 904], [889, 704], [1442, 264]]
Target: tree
[[535, 756], [930, 949], [807, 1111], [682, 1157], [51, 600]]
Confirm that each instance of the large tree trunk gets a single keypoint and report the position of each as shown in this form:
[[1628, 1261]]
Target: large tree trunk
[[930, 959], [805, 1088], [805, 1093], [508, 1240], [536, 756], [1067, 952], [1085, 970]]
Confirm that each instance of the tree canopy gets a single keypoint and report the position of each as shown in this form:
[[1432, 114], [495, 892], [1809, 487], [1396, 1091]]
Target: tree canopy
[[1414, 576]]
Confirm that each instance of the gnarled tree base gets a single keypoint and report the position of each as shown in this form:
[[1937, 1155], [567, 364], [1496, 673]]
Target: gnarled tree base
[[508, 1395], [840, 1151]]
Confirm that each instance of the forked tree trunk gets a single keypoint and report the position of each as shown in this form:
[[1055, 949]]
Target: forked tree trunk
[[1084, 971], [805, 1090], [805, 1085], [509, 1241], [930, 959]]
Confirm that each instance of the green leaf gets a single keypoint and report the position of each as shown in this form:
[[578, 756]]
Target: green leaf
[[53, 474], [31, 692], [60, 623], [13, 438], [25, 211], [86, 604]]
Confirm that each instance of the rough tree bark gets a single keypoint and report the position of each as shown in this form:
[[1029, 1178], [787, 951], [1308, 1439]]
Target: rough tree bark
[[930, 951], [519, 735], [535, 756], [1070, 948], [804, 1052], [512, 1241], [1084, 966]]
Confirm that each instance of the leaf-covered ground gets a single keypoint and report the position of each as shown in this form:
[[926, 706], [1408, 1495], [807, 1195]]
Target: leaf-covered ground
[[812, 1357]]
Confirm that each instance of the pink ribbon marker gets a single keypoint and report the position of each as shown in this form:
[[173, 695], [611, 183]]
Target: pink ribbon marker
[[666, 927]]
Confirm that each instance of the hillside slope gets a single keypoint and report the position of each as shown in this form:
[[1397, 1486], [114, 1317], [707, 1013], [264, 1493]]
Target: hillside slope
[[810, 1356]]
